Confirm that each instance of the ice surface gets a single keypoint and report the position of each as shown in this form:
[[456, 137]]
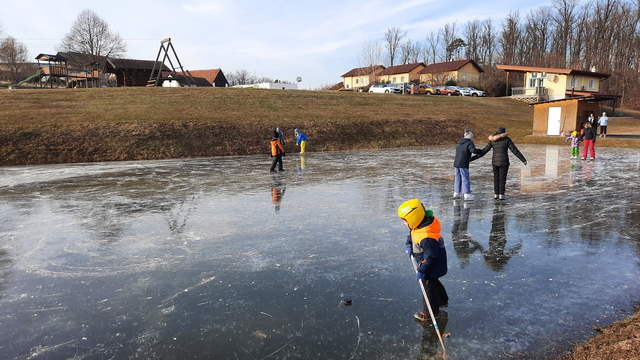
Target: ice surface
[[216, 258]]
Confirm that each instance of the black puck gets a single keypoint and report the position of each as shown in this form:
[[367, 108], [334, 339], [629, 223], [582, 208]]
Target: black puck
[[346, 302]]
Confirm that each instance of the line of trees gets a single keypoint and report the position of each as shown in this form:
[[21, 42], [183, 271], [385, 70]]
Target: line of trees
[[244, 77], [579, 34]]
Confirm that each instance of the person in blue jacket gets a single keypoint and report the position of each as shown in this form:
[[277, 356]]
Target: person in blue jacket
[[426, 246], [301, 140], [464, 151]]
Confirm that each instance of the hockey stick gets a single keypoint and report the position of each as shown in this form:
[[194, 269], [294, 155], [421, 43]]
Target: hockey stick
[[433, 319]]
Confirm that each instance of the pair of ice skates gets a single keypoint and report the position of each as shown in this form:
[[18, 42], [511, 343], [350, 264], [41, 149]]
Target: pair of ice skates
[[467, 197]]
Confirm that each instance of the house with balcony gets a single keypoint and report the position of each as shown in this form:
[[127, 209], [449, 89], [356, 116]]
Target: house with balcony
[[359, 79], [462, 72], [562, 98], [542, 84], [401, 73]]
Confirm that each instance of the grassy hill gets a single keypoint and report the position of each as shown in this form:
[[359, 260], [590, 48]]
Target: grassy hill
[[84, 125]]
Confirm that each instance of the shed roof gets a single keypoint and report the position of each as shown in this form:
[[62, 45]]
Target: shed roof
[[525, 69], [449, 66], [589, 97], [209, 75], [131, 64], [401, 69]]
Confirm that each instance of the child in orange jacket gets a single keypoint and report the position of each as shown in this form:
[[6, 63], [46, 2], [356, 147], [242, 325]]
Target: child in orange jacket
[[277, 152]]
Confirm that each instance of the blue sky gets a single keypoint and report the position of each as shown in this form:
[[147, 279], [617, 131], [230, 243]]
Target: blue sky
[[316, 40]]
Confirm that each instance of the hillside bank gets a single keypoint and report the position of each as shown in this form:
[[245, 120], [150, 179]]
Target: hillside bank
[[84, 125]]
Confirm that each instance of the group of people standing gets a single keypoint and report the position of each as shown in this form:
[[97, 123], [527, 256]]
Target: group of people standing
[[425, 245], [277, 147], [588, 135], [466, 152]]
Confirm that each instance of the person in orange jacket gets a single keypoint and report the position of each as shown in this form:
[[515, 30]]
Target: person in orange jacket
[[277, 152]]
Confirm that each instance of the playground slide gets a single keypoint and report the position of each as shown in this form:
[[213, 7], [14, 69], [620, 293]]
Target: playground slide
[[37, 74]]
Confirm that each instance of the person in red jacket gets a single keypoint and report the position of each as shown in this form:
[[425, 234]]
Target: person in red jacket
[[426, 246], [589, 141], [277, 152]]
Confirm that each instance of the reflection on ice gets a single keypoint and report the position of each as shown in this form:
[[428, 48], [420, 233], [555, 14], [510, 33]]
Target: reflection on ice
[[217, 258]]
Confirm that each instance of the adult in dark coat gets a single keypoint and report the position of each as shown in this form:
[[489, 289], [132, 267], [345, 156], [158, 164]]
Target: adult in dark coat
[[500, 142]]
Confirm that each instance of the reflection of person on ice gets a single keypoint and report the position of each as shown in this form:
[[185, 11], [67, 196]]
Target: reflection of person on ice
[[426, 245]]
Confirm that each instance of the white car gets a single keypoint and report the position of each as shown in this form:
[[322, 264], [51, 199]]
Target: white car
[[463, 91], [385, 89], [476, 92]]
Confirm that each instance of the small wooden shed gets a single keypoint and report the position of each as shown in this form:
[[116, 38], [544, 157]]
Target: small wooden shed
[[552, 118]]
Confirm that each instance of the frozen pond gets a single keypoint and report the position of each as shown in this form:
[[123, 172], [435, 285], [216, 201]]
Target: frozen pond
[[216, 258]]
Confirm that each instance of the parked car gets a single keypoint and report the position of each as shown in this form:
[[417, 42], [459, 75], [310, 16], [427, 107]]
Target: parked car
[[407, 87], [384, 88], [476, 92], [463, 91], [448, 90], [428, 89]]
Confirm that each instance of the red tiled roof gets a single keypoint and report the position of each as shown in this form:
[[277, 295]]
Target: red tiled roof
[[363, 71], [337, 86], [524, 69], [401, 69], [210, 75], [449, 66]]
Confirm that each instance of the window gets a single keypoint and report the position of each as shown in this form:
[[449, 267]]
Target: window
[[532, 82], [534, 74], [401, 78], [357, 80], [347, 86], [592, 84], [574, 82], [394, 79], [464, 77]]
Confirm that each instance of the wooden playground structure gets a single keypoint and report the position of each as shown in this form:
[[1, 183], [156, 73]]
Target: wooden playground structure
[[54, 71]]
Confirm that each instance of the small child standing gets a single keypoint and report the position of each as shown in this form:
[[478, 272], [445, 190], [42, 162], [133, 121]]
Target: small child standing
[[575, 144], [464, 151]]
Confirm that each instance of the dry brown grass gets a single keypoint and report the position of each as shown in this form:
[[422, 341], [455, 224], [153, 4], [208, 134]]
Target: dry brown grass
[[621, 340], [81, 125]]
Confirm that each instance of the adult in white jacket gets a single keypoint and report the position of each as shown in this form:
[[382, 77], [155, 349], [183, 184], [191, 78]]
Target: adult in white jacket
[[603, 122]]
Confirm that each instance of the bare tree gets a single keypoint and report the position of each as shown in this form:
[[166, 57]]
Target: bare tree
[[564, 18], [449, 35], [91, 35], [473, 39], [488, 47], [393, 38], [240, 77], [370, 59], [510, 39], [432, 48], [370, 54], [409, 52], [14, 54]]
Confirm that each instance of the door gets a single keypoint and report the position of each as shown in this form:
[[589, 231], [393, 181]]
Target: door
[[553, 121]]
